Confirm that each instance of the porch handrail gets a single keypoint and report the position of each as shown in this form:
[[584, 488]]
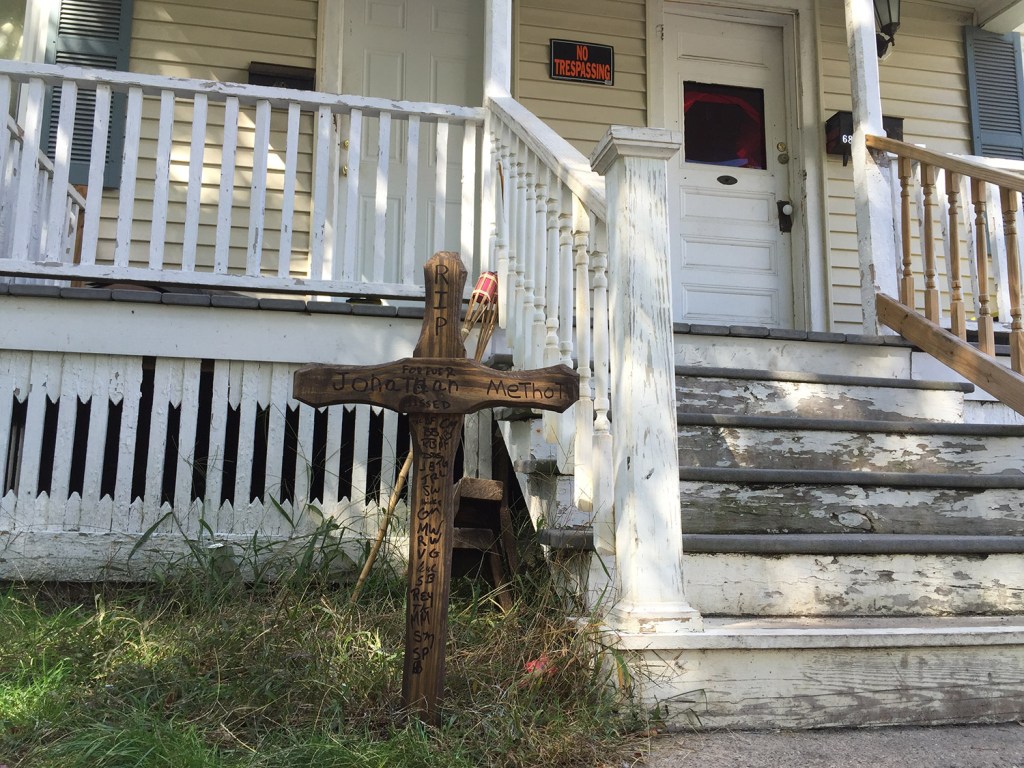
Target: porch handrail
[[1005, 385], [45, 164], [954, 163], [562, 158], [966, 188], [155, 85], [303, 168], [551, 252]]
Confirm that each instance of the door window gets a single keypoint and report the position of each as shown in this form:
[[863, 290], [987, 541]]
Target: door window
[[723, 125]]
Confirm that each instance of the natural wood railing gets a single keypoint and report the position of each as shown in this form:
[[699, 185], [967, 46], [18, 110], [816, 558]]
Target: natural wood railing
[[968, 187]]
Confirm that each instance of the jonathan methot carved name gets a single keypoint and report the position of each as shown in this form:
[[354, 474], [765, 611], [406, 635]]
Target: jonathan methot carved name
[[436, 385]]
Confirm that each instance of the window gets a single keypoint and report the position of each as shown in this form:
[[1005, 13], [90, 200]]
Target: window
[[994, 78], [97, 34], [723, 125]]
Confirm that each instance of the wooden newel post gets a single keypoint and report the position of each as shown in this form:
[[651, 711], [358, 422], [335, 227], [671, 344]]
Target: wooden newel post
[[437, 387]]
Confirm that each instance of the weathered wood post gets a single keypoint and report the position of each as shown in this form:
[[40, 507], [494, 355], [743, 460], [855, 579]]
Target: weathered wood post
[[437, 387], [876, 237], [645, 458]]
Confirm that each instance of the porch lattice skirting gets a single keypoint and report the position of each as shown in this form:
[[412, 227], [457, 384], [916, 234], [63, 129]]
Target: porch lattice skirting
[[102, 450]]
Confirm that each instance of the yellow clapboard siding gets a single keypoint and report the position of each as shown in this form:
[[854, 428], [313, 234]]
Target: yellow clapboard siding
[[923, 81], [216, 40], [582, 113]]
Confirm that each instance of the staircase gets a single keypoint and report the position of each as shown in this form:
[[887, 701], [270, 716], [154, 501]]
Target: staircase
[[853, 542]]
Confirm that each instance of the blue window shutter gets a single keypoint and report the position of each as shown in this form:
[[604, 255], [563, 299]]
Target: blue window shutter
[[996, 83], [97, 34]]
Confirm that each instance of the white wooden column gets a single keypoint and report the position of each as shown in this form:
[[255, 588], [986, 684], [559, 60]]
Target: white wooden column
[[645, 458], [498, 48], [876, 241]]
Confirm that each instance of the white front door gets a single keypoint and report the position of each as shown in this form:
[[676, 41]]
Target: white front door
[[422, 51], [725, 91]]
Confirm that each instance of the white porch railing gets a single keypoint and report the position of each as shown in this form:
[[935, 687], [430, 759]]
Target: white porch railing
[[551, 252], [54, 204], [584, 261], [240, 187]]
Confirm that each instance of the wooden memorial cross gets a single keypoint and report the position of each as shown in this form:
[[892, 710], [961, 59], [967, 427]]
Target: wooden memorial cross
[[437, 387]]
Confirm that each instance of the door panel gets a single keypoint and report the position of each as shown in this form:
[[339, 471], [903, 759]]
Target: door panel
[[412, 50], [731, 263]]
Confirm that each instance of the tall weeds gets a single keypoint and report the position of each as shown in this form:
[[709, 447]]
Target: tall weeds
[[193, 672]]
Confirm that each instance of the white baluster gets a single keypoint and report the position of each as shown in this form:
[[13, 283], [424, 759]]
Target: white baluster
[[440, 184], [469, 200], [542, 229], [583, 450], [410, 262], [193, 197], [553, 282], [512, 237], [61, 167], [291, 161], [603, 472], [488, 246], [381, 196], [318, 232], [501, 199], [521, 253], [97, 160], [161, 184], [565, 424], [527, 260], [27, 181], [222, 242], [129, 177], [258, 190], [355, 149]]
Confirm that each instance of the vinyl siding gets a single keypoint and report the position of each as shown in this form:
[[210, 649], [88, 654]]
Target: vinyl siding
[[924, 81], [216, 40], [581, 112]]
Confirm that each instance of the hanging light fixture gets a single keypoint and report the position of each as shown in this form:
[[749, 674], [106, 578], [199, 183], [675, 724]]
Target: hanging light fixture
[[887, 14]]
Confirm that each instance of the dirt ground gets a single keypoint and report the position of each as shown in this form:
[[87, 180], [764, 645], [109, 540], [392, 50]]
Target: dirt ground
[[975, 746]]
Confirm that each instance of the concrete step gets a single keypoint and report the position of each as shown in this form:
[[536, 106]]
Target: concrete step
[[817, 502], [781, 442], [745, 391], [812, 672]]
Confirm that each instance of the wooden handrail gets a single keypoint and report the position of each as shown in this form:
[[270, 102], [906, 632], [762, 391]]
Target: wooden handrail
[[1006, 179], [558, 155], [977, 367], [248, 95]]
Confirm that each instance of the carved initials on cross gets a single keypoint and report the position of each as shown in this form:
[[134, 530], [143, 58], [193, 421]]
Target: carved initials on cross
[[437, 387]]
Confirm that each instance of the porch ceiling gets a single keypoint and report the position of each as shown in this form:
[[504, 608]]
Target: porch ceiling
[[1000, 15]]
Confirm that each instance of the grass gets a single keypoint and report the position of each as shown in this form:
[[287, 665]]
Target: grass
[[181, 675]]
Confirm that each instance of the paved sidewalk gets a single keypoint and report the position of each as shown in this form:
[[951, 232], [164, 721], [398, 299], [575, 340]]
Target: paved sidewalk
[[973, 746]]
